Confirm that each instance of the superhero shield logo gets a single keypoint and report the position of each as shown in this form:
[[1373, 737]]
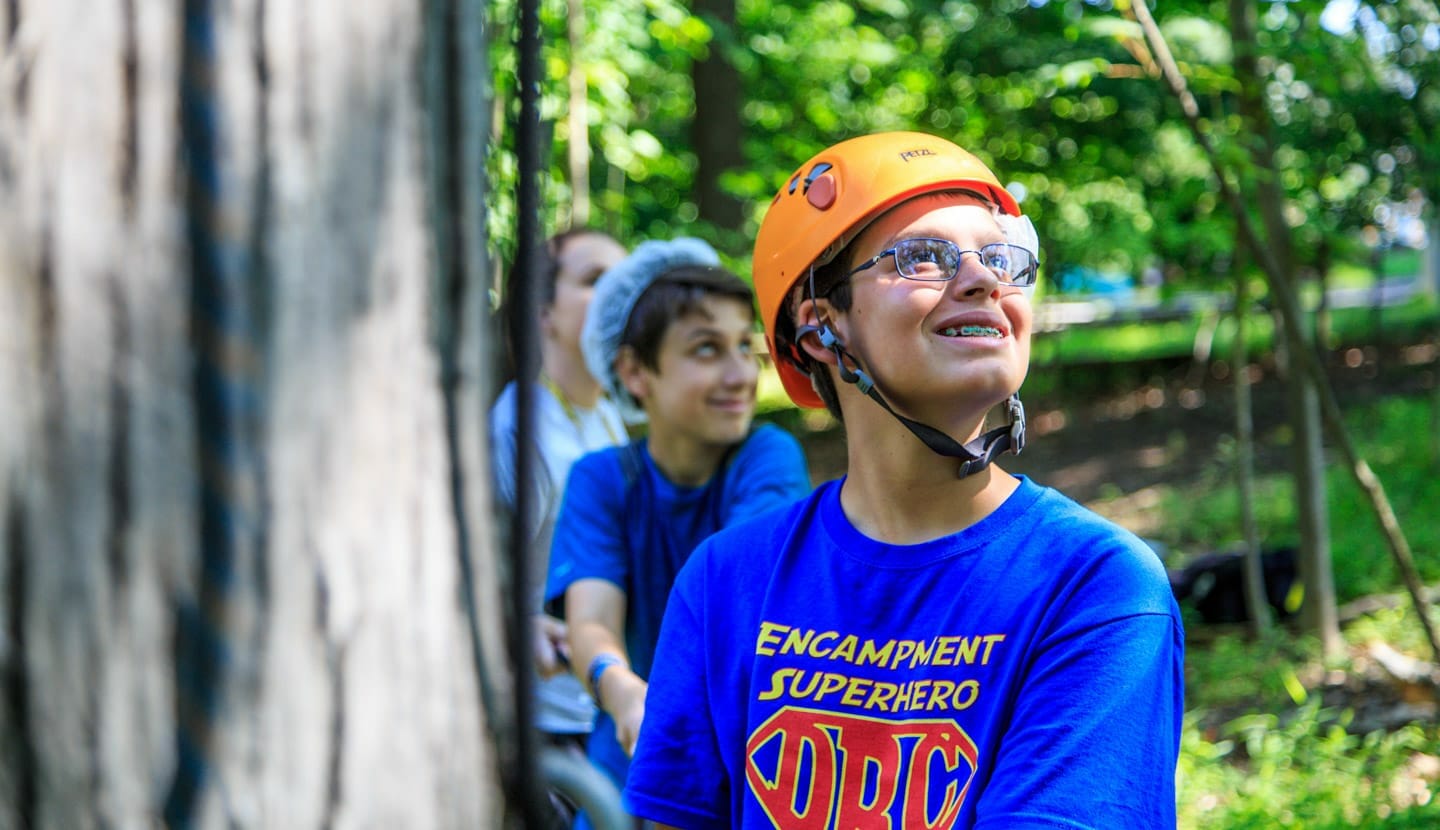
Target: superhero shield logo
[[817, 770]]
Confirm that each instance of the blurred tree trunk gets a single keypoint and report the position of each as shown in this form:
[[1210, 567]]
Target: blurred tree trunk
[[1256, 605], [353, 685], [1319, 610], [716, 132], [1323, 325], [577, 120]]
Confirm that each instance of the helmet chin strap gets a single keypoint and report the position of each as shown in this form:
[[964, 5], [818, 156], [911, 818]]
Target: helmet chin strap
[[977, 454]]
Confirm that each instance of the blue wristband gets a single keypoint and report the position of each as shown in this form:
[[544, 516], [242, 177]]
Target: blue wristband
[[597, 668]]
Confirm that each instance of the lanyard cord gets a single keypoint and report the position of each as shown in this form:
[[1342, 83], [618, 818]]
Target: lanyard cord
[[573, 414]]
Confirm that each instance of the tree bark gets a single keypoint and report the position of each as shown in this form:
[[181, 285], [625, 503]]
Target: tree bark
[[577, 120], [1312, 517], [352, 688], [1255, 596], [716, 132]]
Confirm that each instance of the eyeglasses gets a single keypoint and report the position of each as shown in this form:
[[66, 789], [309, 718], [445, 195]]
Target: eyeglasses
[[938, 260]]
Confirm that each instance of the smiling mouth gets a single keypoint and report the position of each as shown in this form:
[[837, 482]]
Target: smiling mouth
[[972, 331]]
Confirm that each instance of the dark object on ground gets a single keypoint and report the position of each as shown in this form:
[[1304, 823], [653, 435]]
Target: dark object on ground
[[1214, 584]]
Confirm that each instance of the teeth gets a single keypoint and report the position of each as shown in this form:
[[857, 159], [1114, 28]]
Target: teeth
[[972, 331]]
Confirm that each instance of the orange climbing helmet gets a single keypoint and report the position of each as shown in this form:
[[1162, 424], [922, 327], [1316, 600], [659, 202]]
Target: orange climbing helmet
[[832, 197]]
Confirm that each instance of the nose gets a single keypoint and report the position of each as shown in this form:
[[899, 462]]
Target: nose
[[973, 279], [740, 368]]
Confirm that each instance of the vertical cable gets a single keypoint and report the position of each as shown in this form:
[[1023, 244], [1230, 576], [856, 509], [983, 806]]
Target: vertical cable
[[225, 403], [527, 364]]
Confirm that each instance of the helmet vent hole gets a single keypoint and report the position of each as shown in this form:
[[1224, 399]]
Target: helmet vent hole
[[815, 174]]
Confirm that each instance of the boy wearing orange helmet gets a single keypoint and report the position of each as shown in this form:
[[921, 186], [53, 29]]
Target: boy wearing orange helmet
[[929, 641]]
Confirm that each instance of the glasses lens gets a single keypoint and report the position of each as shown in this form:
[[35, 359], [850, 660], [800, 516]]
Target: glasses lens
[[927, 259], [1010, 263]]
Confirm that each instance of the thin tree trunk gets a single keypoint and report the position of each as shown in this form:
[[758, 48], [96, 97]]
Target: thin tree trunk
[[1318, 611], [1255, 595], [577, 120], [1323, 326], [716, 132], [1289, 306], [350, 690]]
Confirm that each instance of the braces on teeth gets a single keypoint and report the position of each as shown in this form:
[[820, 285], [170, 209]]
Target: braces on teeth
[[972, 331]]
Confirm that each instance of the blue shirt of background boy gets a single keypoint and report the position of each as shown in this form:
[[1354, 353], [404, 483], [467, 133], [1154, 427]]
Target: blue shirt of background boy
[[636, 529]]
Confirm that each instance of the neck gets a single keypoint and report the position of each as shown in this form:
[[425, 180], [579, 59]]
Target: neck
[[899, 491], [570, 374], [684, 461]]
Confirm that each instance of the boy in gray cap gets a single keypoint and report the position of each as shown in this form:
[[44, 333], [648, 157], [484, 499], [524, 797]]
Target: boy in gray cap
[[669, 335]]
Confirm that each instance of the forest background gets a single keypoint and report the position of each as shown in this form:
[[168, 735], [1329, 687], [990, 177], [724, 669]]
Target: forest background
[[251, 572]]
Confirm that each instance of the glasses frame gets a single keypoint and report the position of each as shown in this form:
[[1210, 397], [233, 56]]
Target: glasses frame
[[1025, 279]]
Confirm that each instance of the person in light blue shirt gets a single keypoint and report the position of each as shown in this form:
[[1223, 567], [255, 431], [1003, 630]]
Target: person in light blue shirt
[[572, 417], [670, 337]]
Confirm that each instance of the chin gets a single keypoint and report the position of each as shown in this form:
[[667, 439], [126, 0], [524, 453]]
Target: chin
[[731, 431]]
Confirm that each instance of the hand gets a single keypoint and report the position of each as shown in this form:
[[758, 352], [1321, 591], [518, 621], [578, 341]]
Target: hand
[[627, 708], [551, 651]]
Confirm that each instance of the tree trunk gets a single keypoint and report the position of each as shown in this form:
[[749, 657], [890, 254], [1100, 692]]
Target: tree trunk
[[716, 132], [1255, 596], [1319, 614], [577, 120], [352, 669]]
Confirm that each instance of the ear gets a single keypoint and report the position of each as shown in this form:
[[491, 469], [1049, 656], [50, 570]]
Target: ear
[[817, 313], [632, 374]]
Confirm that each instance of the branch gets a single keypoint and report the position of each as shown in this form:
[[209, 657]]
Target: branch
[[1289, 305]]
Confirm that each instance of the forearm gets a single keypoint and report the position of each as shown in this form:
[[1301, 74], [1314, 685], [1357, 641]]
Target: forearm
[[618, 685], [595, 610]]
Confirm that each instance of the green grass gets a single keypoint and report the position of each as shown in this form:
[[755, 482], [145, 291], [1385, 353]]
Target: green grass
[[1147, 341], [1306, 771], [1284, 760]]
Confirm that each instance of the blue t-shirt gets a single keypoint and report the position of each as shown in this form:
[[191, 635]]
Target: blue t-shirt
[[636, 529], [1024, 672]]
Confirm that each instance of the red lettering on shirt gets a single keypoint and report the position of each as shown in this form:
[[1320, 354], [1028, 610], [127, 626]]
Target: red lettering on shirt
[[818, 770]]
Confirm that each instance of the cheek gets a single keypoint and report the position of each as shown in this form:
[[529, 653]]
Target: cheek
[[1018, 310]]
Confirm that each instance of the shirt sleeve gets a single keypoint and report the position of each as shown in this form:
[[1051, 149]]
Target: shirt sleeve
[[768, 471], [1095, 738], [502, 448], [504, 452], [589, 540], [678, 776]]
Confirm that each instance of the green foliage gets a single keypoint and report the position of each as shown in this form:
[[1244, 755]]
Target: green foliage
[[1232, 671], [1254, 754], [1303, 771], [1056, 94], [1391, 435]]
